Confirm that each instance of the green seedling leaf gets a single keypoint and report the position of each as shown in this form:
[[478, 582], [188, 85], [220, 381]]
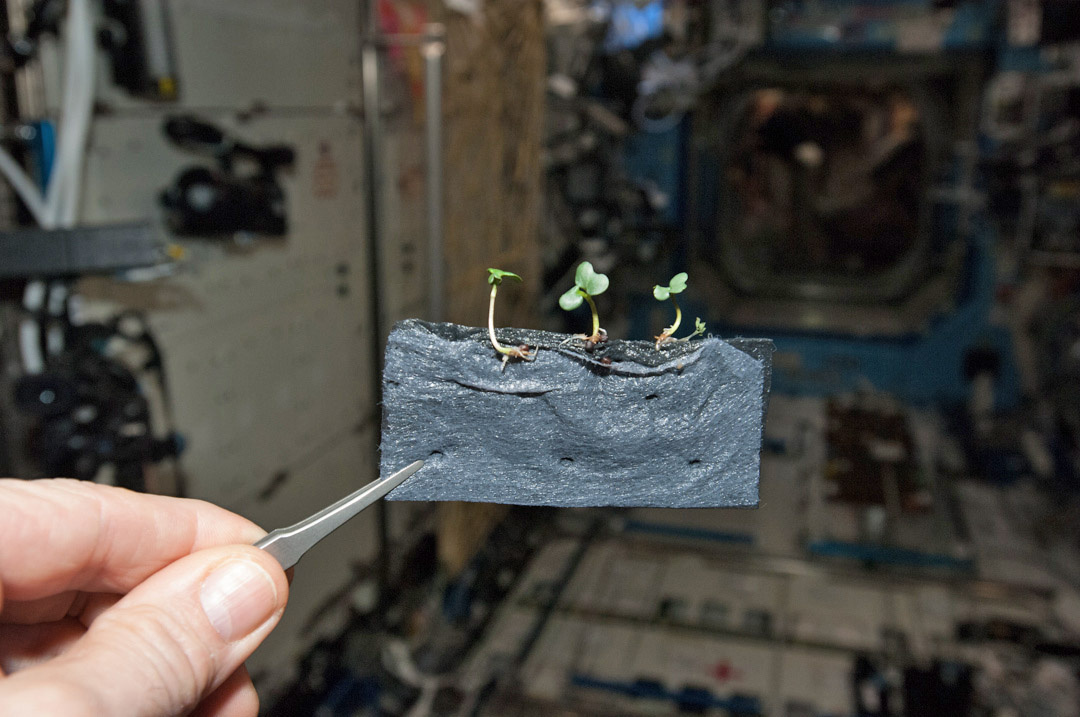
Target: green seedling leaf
[[597, 285], [589, 280], [495, 276], [699, 326], [571, 299], [677, 286], [585, 271]]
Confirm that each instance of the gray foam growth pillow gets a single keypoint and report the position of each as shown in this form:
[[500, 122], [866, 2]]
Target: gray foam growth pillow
[[679, 427]]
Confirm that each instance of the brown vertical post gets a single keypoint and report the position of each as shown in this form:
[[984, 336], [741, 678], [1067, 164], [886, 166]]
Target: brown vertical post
[[494, 112]]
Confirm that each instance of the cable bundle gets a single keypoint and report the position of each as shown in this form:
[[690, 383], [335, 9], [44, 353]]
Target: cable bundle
[[58, 206]]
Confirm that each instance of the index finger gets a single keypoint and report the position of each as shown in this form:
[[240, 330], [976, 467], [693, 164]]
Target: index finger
[[60, 534]]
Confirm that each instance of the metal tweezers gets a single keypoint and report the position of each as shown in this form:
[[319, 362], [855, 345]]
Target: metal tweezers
[[288, 545]]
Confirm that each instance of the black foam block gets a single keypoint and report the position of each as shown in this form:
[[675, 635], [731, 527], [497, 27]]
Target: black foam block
[[623, 425]]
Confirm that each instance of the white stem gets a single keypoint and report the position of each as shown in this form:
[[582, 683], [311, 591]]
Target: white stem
[[491, 321]]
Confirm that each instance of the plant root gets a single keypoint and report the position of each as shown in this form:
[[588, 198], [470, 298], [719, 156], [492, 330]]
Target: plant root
[[664, 338], [521, 352]]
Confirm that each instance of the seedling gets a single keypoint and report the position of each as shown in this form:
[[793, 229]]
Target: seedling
[[699, 329], [587, 283], [677, 285], [495, 277]]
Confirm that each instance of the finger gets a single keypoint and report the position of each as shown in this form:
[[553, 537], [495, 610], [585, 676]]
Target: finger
[[83, 606], [60, 535], [46, 609], [95, 605], [235, 698], [23, 646], [174, 639]]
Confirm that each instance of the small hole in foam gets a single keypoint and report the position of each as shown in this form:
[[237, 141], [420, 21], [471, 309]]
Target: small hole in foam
[[566, 461], [651, 396], [695, 462]]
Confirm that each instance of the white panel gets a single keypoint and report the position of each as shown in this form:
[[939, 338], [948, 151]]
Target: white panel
[[261, 395], [404, 254], [624, 653], [268, 348], [817, 679], [545, 674], [545, 569], [834, 612], [501, 643], [608, 651], [724, 666], [339, 470], [281, 53], [243, 54], [129, 162]]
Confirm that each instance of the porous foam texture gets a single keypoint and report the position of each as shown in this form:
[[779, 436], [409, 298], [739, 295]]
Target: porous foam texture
[[680, 427]]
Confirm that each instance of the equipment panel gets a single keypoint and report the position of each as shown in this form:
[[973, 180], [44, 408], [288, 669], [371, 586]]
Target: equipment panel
[[258, 331], [239, 55]]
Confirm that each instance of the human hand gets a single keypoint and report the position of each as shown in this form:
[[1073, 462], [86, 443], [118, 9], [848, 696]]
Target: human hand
[[119, 603]]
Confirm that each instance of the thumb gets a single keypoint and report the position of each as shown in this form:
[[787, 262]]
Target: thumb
[[165, 645]]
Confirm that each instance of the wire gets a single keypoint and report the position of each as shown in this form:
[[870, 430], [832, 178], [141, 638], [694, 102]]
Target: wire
[[59, 204], [33, 359], [24, 187], [62, 196]]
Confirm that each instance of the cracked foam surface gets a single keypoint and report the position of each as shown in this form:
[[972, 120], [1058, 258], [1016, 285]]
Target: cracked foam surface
[[679, 427]]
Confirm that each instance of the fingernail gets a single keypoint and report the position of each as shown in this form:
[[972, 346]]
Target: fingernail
[[238, 597]]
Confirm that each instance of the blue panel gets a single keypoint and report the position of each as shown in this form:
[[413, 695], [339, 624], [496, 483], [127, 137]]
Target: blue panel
[[632, 25], [658, 158], [43, 151], [689, 696], [886, 555], [680, 531], [920, 368], [876, 25]]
